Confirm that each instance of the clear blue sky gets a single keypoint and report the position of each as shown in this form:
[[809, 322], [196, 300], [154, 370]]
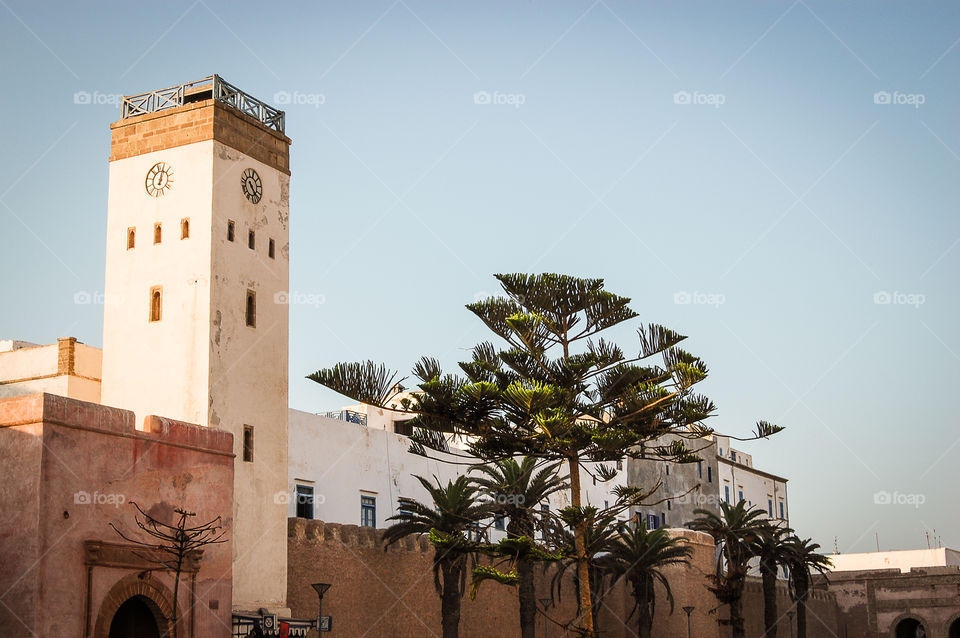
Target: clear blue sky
[[788, 195]]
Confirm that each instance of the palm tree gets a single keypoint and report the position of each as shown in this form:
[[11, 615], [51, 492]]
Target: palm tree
[[455, 508], [517, 489], [774, 550], [804, 557], [638, 555], [736, 532]]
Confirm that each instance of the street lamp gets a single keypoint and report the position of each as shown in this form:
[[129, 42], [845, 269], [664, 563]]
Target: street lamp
[[546, 602], [790, 621], [689, 610], [324, 623]]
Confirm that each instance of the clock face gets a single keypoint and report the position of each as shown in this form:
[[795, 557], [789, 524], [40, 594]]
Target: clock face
[[252, 186], [159, 179]]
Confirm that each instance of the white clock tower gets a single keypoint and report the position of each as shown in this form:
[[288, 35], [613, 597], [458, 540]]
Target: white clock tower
[[196, 321]]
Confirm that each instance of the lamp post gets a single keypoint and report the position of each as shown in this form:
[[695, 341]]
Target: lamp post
[[689, 610], [546, 602], [790, 621], [323, 623]]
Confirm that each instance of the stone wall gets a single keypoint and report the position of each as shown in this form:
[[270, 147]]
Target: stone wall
[[390, 593], [70, 470]]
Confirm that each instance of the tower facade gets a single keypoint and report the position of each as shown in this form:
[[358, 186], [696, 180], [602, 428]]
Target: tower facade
[[195, 319]]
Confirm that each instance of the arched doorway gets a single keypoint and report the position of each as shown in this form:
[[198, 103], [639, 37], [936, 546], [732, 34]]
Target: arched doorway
[[134, 619], [910, 628], [954, 631]]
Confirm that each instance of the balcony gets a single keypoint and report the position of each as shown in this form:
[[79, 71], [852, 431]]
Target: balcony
[[346, 415], [212, 87]]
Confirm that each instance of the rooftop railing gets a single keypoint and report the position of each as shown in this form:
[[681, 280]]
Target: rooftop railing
[[213, 87], [347, 415]]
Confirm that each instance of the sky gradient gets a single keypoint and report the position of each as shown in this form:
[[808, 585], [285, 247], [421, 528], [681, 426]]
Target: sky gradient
[[776, 180]]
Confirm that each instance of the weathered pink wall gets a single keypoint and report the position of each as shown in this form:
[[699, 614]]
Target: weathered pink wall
[[54, 450], [391, 594]]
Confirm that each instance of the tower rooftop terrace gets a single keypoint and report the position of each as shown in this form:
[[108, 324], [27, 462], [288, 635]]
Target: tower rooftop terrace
[[212, 87]]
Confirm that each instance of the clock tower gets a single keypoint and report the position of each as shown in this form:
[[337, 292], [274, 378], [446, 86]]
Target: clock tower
[[197, 270]]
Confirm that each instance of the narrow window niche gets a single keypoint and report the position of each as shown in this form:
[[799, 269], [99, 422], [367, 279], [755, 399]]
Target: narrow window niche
[[156, 303], [185, 228], [251, 309], [248, 443], [131, 238], [157, 233], [251, 240], [231, 230], [271, 249]]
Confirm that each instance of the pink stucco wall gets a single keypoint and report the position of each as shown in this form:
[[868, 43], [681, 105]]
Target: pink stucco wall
[[70, 469]]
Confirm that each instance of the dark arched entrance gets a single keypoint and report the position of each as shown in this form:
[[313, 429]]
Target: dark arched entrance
[[134, 619], [954, 629], [910, 628]]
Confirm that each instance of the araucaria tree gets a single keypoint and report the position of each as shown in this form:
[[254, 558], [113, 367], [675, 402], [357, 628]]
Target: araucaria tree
[[173, 545], [454, 509], [556, 390]]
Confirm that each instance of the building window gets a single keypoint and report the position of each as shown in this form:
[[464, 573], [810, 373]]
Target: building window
[[770, 507], [709, 475], [721, 452], [251, 311], [131, 237], [668, 505], [668, 470], [619, 464], [185, 228], [304, 501], [739, 495], [368, 511], [500, 522], [699, 469], [251, 240], [248, 443], [726, 493], [663, 519], [651, 521], [231, 230], [156, 303], [781, 511], [157, 233], [271, 249]]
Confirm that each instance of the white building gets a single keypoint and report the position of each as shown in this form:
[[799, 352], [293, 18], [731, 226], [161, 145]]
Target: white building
[[904, 560]]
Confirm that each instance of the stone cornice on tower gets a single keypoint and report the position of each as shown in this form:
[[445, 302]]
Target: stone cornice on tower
[[198, 122]]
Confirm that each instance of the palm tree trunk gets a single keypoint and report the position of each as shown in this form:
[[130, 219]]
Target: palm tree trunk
[[736, 616], [527, 595], [803, 591], [769, 575], [642, 594], [580, 544], [450, 599]]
